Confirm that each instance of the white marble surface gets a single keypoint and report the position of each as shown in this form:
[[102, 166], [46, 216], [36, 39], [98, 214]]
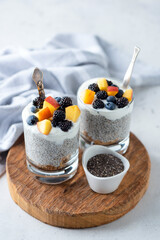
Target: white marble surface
[[124, 23]]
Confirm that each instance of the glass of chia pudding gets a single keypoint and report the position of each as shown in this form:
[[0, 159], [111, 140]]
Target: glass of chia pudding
[[106, 109], [51, 134]]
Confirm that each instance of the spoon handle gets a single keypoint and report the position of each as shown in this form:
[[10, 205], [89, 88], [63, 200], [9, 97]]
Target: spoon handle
[[128, 74], [38, 79]]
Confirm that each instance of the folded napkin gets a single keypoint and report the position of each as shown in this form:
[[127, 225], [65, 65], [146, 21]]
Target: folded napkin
[[66, 60]]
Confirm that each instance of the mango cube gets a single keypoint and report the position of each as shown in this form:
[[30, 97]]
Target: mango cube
[[102, 84], [87, 96], [51, 103], [128, 94], [44, 113], [72, 113], [44, 126], [112, 91]]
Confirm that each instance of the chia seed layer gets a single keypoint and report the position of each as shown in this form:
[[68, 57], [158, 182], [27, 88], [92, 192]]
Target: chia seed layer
[[47, 154], [100, 130]]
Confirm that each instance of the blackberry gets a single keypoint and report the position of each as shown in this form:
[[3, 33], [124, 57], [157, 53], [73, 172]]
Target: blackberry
[[65, 125], [58, 116], [109, 83], [54, 123], [94, 87], [32, 120], [98, 104], [65, 102], [38, 102], [101, 95], [119, 94], [122, 102]]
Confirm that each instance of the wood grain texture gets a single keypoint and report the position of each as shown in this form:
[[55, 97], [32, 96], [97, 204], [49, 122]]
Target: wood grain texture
[[73, 204]]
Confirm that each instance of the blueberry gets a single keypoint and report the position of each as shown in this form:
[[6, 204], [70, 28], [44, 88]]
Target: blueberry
[[33, 109], [110, 105], [32, 120], [58, 99], [120, 93], [111, 99]]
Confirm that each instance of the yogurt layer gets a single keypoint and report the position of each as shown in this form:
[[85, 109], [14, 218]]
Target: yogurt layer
[[109, 114], [56, 134]]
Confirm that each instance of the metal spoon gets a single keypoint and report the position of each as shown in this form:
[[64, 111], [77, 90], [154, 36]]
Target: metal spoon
[[128, 74], [38, 79]]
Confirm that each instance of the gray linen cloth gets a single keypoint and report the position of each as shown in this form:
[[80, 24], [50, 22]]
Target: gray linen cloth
[[66, 60]]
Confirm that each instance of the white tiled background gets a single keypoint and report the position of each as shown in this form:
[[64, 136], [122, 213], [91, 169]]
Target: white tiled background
[[124, 23]]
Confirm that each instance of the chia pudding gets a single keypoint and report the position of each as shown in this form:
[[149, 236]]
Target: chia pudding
[[53, 151], [104, 122]]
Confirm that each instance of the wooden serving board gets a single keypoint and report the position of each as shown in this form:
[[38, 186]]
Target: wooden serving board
[[73, 204]]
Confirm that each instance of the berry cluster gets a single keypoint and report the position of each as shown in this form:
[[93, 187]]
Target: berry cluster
[[53, 112], [106, 90], [59, 120]]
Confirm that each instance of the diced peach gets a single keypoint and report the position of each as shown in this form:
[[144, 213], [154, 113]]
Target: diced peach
[[44, 113], [51, 103], [112, 91], [128, 94], [44, 126], [102, 84], [72, 113], [87, 96]]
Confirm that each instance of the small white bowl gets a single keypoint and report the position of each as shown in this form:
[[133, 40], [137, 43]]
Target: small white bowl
[[103, 185]]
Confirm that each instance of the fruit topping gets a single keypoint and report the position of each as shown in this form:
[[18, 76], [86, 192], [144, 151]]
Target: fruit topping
[[87, 96], [33, 109], [122, 102], [102, 84], [112, 91], [94, 87], [111, 99], [101, 95], [65, 125], [119, 94], [32, 120], [65, 102], [51, 103], [38, 102], [58, 99], [58, 116], [44, 126], [110, 105], [72, 113], [109, 83], [44, 113], [128, 94], [98, 104]]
